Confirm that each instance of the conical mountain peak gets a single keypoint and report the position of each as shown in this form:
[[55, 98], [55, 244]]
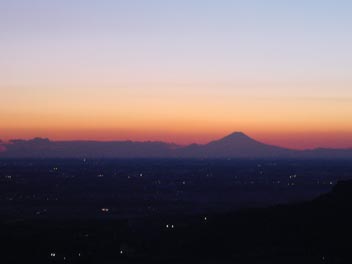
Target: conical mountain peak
[[236, 136]]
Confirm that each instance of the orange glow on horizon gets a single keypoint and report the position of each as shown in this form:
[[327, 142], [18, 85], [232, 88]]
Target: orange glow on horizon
[[178, 116], [296, 140], [177, 71]]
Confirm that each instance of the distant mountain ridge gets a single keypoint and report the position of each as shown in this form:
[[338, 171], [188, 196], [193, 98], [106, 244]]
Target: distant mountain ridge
[[234, 145]]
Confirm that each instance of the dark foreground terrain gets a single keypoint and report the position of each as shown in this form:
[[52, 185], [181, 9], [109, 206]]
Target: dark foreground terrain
[[175, 211]]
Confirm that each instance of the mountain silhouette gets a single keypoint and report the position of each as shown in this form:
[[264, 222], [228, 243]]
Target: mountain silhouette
[[237, 140], [44, 148], [234, 145], [237, 145]]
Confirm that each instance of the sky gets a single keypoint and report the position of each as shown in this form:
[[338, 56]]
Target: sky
[[179, 71]]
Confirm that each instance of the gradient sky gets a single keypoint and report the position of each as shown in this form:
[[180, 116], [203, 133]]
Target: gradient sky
[[179, 71]]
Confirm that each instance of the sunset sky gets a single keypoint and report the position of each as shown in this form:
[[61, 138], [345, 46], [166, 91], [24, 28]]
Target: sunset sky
[[179, 71]]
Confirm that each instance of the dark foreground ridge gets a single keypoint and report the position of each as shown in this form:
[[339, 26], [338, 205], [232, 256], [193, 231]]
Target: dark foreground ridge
[[235, 145], [318, 231]]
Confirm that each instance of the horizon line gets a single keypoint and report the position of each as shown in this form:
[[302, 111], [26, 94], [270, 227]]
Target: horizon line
[[169, 142]]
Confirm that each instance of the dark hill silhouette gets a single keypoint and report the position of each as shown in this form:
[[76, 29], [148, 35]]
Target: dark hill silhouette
[[235, 145], [311, 232], [44, 148], [315, 231]]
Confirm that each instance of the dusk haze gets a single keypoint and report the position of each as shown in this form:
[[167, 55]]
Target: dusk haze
[[175, 131], [177, 71]]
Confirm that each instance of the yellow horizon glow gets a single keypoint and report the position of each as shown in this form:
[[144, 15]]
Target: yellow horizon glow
[[181, 117], [177, 71]]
